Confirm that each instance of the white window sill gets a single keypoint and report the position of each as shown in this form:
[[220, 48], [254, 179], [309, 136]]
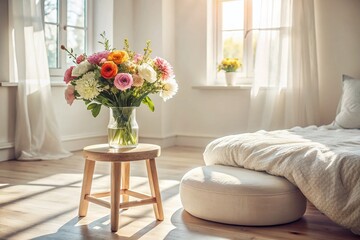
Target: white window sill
[[8, 84], [15, 84], [223, 87]]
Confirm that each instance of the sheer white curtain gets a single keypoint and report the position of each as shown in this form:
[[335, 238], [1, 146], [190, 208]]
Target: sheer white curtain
[[36, 134], [285, 88]]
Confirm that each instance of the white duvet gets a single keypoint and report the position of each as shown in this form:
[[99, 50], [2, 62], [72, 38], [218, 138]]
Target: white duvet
[[324, 163]]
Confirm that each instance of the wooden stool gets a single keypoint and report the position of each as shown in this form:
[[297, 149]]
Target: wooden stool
[[120, 169]]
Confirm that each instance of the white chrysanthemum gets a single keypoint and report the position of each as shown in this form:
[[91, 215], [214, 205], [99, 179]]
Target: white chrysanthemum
[[169, 89], [147, 72], [82, 68], [87, 86]]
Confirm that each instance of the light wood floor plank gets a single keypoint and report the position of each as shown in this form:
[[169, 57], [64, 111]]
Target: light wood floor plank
[[39, 200]]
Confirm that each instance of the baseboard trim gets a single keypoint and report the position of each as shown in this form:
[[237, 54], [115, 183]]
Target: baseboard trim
[[78, 142], [179, 140], [70, 143], [6, 151], [193, 141], [162, 142]]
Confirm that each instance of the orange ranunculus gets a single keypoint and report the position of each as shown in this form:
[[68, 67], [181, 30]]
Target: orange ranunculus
[[118, 56], [109, 70]]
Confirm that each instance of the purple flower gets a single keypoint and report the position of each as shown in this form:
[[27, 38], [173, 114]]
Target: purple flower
[[123, 81], [97, 57]]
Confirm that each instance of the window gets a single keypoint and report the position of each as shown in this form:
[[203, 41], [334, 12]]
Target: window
[[65, 22], [238, 26]]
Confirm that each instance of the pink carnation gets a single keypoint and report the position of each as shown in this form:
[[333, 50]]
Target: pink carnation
[[164, 68], [123, 81], [67, 75], [96, 58], [80, 58], [69, 94]]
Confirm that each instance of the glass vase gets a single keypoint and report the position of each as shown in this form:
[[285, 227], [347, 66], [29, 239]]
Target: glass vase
[[123, 130]]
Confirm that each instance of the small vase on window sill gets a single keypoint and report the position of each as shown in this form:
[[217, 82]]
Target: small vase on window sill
[[229, 66], [230, 78]]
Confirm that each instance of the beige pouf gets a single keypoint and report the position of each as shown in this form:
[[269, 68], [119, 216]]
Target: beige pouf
[[239, 196]]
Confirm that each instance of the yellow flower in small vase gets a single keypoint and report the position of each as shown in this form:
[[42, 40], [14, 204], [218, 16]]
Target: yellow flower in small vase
[[230, 65]]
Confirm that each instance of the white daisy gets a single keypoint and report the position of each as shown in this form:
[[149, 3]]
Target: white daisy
[[169, 89]]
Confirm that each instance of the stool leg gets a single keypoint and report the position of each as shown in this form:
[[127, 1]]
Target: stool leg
[[154, 187], [86, 186], [115, 195], [125, 179]]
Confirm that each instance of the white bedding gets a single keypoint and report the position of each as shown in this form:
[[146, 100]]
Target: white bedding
[[324, 163]]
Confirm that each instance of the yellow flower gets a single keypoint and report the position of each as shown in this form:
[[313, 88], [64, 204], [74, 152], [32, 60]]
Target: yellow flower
[[118, 56], [229, 64]]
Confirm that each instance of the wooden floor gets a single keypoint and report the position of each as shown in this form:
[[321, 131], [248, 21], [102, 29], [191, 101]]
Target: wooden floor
[[39, 200]]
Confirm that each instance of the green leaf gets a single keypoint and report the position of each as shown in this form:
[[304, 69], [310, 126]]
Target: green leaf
[[96, 110], [91, 106], [147, 101]]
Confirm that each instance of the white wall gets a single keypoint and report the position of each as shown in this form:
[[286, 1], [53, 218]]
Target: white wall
[[7, 122], [204, 113], [4, 36], [7, 95], [338, 43], [150, 20], [193, 116], [103, 13]]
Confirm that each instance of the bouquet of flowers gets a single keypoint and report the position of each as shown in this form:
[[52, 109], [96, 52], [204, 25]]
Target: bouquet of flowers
[[229, 64], [118, 79]]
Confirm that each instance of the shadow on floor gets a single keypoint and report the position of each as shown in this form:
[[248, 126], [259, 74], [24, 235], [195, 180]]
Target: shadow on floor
[[98, 229], [190, 227]]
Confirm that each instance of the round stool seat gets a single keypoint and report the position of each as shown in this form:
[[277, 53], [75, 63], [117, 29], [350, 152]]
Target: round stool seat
[[240, 196]]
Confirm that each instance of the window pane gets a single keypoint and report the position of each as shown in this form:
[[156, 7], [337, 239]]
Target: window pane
[[233, 15], [76, 13], [76, 40], [51, 11], [51, 36], [233, 44]]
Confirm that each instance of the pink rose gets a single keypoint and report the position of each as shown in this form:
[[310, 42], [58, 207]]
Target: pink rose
[[69, 94], [67, 75], [80, 58], [123, 81]]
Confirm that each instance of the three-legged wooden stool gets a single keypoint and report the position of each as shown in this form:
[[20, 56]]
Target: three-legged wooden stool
[[120, 177]]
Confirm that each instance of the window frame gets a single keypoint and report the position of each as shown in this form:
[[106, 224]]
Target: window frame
[[247, 69], [58, 73]]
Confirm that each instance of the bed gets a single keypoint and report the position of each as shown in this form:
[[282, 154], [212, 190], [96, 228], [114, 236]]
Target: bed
[[323, 162]]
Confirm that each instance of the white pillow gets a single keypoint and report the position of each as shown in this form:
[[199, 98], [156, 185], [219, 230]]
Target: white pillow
[[349, 114]]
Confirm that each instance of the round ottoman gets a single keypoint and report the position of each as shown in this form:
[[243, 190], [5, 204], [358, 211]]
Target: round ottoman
[[239, 196]]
